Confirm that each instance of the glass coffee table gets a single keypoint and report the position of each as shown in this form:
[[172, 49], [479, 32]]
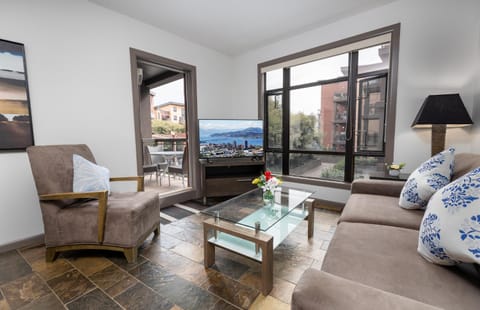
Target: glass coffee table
[[248, 226]]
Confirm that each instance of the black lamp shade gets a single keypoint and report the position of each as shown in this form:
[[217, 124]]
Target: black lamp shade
[[447, 109]]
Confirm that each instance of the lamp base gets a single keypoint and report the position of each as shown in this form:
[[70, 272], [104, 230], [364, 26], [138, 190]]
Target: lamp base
[[438, 138]]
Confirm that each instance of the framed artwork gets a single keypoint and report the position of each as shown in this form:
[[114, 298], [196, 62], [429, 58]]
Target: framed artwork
[[16, 131]]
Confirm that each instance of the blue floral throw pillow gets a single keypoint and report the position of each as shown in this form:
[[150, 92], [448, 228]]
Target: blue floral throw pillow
[[432, 175], [88, 177], [450, 229]]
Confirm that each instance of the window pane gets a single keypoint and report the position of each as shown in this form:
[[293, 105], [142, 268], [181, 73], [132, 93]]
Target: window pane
[[367, 166], [274, 162], [274, 119], [274, 79], [305, 106], [334, 114], [318, 117], [370, 114], [330, 167], [374, 58], [323, 69]]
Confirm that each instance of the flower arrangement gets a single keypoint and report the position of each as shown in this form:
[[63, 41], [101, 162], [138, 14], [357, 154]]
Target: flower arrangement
[[267, 182]]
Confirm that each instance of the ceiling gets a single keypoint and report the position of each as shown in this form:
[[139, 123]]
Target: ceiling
[[233, 27]]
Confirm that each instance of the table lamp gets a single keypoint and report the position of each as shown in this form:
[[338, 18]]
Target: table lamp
[[438, 112]]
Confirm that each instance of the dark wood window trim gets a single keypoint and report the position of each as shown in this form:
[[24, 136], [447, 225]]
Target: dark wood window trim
[[394, 30], [190, 76]]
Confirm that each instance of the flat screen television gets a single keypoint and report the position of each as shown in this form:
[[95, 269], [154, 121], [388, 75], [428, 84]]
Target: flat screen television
[[226, 138]]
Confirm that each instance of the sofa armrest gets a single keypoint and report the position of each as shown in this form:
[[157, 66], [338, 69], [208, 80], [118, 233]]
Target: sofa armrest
[[320, 290], [377, 187]]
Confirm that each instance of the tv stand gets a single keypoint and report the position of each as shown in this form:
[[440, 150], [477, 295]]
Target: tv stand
[[228, 176]]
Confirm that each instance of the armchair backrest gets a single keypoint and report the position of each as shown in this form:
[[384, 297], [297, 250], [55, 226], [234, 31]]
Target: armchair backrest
[[52, 166]]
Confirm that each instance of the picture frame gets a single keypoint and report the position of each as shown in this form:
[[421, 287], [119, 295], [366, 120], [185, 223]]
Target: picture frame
[[16, 130]]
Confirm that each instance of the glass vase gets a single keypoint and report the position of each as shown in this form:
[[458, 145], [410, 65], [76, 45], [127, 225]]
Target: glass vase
[[394, 172], [268, 197]]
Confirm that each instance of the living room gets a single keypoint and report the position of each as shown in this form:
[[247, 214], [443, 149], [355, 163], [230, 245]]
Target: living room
[[79, 79]]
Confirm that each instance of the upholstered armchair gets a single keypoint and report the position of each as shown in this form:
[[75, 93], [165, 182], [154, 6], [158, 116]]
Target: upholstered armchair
[[89, 220]]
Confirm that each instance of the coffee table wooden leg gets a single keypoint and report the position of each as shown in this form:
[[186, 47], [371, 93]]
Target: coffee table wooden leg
[[267, 267], [265, 242], [311, 217], [208, 249]]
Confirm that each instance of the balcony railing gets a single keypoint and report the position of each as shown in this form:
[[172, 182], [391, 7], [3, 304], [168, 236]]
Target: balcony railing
[[166, 144]]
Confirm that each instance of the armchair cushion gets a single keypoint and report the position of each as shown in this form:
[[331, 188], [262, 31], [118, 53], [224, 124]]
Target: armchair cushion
[[129, 216], [89, 177]]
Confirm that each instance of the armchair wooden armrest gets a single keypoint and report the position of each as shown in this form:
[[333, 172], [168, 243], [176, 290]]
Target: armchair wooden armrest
[[72, 195], [138, 179], [102, 205]]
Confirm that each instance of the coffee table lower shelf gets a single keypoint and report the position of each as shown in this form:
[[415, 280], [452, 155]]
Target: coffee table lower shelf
[[255, 245]]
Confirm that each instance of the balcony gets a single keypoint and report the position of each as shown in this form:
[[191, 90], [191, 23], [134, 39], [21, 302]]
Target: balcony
[[165, 151]]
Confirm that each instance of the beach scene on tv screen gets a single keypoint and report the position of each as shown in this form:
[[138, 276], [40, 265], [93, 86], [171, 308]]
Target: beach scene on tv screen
[[230, 138]]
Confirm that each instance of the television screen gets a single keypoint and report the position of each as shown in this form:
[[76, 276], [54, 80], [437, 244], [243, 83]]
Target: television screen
[[230, 138]]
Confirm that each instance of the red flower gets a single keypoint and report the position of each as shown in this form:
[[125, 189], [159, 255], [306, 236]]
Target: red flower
[[268, 175]]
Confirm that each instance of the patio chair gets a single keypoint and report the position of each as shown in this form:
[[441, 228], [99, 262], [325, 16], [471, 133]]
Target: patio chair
[[149, 167], [181, 168], [89, 220], [159, 161]]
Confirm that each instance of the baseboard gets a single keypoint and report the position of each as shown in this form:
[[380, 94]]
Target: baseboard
[[23, 243], [328, 205]]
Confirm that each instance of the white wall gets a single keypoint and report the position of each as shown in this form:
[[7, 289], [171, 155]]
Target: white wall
[[439, 52], [79, 76]]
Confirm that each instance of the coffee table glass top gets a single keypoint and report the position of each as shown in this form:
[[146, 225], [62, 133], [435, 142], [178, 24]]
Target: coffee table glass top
[[249, 208]]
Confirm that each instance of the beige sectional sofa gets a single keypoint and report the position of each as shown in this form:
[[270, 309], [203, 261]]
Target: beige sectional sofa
[[372, 261]]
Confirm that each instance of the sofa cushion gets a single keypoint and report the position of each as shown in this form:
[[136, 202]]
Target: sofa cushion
[[383, 210], [432, 175], [89, 177], [465, 162], [450, 230], [377, 187], [321, 290], [385, 257]]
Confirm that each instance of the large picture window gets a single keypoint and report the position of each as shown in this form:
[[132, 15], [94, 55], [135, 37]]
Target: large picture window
[[329, 112]]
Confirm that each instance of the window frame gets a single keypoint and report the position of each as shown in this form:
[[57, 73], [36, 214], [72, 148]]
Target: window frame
[[350, 154]]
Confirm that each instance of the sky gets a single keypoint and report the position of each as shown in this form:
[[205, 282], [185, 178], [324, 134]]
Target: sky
[[309, 100], [173, 91]]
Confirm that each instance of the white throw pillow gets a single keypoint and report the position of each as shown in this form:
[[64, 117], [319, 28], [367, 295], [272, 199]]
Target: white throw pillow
[[450, 229], [432, 175], [89, 177]]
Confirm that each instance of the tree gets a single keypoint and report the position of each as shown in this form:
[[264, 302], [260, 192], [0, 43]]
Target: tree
[[303, 134], [166, 127], [274, 121]]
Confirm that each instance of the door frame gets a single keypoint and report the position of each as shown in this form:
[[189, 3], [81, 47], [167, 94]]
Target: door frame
[[190, 79]]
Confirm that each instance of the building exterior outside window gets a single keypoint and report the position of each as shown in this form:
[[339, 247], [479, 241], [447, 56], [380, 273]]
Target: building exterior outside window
[[327, 118], [170, 111]]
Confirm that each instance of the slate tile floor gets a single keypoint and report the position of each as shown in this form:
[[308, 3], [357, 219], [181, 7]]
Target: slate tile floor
[[169, 273]]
